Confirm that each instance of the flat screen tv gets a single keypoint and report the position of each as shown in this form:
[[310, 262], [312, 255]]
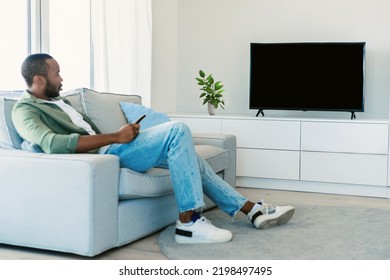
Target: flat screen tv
[[310, 76]]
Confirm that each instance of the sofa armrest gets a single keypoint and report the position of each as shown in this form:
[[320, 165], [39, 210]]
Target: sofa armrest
[[65, 203], [224, 141]]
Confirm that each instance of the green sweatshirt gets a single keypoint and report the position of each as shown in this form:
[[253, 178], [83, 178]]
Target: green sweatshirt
[[47, 125]]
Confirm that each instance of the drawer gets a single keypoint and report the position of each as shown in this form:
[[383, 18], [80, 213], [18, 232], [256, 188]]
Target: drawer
[[281, 135], [345, 137], [344, 168], [268, 164]]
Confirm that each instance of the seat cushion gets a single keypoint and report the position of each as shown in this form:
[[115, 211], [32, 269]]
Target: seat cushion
[[156, 181]]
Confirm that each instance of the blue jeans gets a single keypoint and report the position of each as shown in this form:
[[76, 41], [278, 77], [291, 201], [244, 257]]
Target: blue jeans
[[170, 145]]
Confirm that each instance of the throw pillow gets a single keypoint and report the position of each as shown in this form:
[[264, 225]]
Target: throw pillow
[[133, 111], [9, 138], [31, 147]]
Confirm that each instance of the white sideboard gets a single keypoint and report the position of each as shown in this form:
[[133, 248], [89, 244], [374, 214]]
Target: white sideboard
[[317, 155]]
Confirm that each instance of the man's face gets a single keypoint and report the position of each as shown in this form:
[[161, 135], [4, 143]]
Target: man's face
[[53, 79]]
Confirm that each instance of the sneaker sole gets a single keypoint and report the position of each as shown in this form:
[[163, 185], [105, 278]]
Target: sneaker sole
[[191, 240], [279, 220]]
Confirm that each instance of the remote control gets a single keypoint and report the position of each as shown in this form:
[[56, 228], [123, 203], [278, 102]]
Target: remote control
[[140, 119]]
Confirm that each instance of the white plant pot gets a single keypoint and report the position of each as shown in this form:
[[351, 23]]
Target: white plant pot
[[211, 108]]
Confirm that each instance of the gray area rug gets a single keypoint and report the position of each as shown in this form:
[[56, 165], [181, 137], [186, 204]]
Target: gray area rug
[[314, 233]]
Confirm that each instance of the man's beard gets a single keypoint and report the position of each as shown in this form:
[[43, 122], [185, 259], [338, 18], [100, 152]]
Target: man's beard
[[51, 91]]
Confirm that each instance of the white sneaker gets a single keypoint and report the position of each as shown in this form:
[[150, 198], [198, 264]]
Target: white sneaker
[[201, 231], [265, 215]]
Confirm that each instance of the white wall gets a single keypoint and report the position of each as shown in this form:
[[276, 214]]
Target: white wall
[[164, 55], [214, 35]]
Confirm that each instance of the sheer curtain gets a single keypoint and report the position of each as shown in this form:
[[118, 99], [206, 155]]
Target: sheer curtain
[[67, 39], [121, 46]]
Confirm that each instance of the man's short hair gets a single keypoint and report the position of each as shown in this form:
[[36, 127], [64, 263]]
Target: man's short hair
[[34, 64]]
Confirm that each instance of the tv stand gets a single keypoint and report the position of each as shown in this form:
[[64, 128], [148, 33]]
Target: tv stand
[[305, 154], [353, 116], [260, 112]]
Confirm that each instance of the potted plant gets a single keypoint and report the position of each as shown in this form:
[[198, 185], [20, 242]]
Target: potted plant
[[211, 92]]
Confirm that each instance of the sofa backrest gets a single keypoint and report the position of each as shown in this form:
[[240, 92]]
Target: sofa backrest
[[102, 107]]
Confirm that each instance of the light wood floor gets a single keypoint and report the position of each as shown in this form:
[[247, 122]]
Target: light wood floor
[[147, 248]]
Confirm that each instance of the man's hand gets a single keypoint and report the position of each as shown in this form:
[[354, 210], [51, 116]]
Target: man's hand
[[125, 134]]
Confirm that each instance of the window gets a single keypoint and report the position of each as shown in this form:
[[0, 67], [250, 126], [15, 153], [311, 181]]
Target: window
[[55, 29], [98, 44], [14, 45]]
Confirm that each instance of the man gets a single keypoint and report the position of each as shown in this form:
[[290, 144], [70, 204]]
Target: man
[[45, 119]]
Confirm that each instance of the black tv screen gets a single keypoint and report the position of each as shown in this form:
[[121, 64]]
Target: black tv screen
[[307, 76]]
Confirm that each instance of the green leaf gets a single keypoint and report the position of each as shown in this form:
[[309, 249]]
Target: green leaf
[[210, 79], [202, 95], [202, 74], [218, 86]]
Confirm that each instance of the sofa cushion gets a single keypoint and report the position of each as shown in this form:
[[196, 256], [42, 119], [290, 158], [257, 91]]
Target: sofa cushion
[[156, 181], [75, 97], [133, 111], [9, 138], [102, 107]]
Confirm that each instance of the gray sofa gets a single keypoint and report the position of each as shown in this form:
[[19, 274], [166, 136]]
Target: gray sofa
[[85, 203]]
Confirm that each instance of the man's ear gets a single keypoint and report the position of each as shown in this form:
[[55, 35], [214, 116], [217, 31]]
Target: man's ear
[[39, 80]]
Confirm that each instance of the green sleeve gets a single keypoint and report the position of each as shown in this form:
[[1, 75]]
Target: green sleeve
[[30, 127]]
